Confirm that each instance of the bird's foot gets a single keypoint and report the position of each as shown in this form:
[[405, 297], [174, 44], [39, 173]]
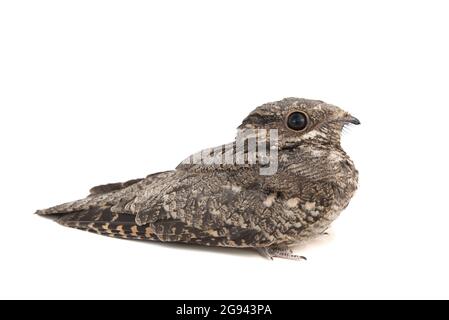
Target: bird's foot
[[279, 252]]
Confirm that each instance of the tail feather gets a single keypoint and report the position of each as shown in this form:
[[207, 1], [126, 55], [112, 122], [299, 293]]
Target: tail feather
[[105, 222]]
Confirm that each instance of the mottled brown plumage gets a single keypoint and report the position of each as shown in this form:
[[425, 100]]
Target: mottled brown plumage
[[233, 205]]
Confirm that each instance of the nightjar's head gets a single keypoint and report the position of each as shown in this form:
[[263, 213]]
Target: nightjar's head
[[301, 121]]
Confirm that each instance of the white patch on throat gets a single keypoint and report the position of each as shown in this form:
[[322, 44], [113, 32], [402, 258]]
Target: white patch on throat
[[334, 156]]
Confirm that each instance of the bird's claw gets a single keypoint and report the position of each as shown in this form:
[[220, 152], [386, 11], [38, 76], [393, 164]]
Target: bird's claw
[[279, 252]]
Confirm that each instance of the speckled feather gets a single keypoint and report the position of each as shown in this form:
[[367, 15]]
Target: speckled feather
[[233, 205]]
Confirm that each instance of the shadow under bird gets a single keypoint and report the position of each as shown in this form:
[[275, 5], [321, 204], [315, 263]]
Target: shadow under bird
[[233, 204]]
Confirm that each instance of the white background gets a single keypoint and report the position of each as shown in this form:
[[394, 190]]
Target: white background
[[103, 91]]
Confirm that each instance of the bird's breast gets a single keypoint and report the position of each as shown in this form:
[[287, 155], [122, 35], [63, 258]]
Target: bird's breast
[[310, 207]]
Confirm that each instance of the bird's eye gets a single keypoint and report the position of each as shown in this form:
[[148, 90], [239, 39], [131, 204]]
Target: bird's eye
[[297, 121]]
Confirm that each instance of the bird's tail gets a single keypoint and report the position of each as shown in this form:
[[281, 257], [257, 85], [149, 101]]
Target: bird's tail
[[101, 220]]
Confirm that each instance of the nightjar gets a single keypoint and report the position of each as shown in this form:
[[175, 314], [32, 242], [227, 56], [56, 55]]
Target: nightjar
[[282, 181]]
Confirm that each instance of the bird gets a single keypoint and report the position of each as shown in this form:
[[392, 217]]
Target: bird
[[228, 196]]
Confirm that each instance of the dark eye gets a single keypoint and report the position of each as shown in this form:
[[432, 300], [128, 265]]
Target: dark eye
[[297, 121]]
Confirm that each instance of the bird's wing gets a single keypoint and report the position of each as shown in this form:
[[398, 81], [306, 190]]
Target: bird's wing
[[117, 196], [107, 210], [106, 188], [211, 208], [197, 204]]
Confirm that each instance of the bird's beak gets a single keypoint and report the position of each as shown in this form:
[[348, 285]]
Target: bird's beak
[[347, 118], [353, 120]]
